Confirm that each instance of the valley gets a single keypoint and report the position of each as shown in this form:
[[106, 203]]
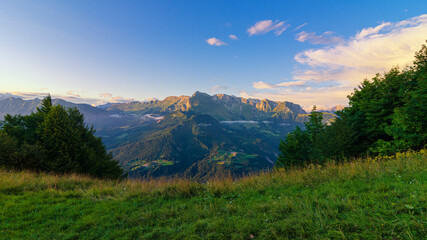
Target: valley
[[198, 136]]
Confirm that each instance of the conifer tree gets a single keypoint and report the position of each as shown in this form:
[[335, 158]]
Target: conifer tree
[[55, 139]]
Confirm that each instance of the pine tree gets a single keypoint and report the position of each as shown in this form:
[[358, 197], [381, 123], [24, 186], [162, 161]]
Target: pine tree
[[55, 139]]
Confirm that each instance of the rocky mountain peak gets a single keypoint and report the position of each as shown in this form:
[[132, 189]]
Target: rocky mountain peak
[[266, 105], [200, 94]]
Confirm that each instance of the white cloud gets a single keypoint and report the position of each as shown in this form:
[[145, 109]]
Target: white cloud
[[300, 26], [370, 31], [264, 85], [311, 96], [232, 37], [343, 66], [324, 38], [372, 50], [215, 42], [266, 26], [292, 84]]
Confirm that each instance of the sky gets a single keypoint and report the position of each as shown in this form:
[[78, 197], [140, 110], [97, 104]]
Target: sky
[[306, 52]]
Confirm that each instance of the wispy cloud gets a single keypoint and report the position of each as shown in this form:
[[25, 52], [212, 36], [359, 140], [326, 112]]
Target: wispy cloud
[[307, 96], [232, 37], [105, 95], [215, 42], [264, 85], [71, 93], [370, 51], [218, 88], [324, 108], [292, 84], [108, 97], [4, 95], [120, 99], [300, 26], [329, 74], [69, 96], [266, 26], [26, 95], [151, 99], [325, 38], [371, 31]]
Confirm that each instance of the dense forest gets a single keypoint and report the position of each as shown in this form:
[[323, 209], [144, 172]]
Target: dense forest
[[54, 139], [385, 115]]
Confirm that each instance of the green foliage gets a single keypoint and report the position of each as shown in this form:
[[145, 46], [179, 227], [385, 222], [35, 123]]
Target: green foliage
[[389, 113], [364, 199], [54, 139], [338, 139], [385, 116], [8, 149], [314, 126], [302, 147], [409, 128], [295, 149]]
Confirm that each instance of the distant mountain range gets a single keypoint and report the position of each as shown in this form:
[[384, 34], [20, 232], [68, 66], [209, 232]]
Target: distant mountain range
[[198, 136]]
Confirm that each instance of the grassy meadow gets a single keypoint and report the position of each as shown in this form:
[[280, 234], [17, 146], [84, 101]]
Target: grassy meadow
[[383, 198]]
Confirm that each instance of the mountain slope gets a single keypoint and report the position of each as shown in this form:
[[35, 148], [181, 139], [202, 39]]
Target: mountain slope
[[202, 135], [99, 118], [16, 106], [197, 136], [187, 144], [220, 106]]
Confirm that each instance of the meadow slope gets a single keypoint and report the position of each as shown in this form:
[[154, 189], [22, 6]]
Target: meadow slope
[[362, 199]]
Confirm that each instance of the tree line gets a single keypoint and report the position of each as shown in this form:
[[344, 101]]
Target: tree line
[[385, 115], [54, 139]]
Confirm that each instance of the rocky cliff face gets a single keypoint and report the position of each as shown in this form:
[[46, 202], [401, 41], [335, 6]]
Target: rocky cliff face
[[220, 106]]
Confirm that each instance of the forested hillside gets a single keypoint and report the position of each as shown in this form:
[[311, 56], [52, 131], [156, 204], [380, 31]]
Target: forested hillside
[[386, 115]]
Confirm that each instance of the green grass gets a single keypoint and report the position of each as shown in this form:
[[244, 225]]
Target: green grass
[[364, 199], [233, 158], [144, 164]]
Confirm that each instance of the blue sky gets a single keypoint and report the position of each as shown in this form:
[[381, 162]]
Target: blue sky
[[308, 52]]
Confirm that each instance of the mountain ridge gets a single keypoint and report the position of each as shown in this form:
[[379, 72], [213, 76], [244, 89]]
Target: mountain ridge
[[234, 108], [197, 136]]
